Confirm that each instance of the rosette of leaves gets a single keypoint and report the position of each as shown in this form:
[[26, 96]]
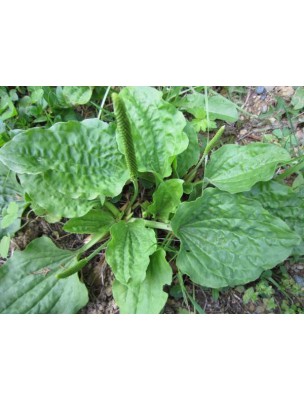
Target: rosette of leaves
[[225, 237]]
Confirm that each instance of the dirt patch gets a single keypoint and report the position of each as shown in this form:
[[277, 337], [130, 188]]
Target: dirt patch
[[35, 227], [99, 279]]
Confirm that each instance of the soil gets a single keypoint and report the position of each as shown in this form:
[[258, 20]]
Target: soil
[[98, 276]]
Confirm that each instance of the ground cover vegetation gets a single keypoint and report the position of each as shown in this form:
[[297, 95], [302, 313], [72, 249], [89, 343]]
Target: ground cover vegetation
[[185, 196]]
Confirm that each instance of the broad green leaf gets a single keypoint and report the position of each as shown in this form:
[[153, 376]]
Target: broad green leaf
[[7, 108], [190, 156], [76, 159], [37, 93], [194, 104], [9, 215], [298, 99], [166, 199], [10, 192], [235, 168], [229, 240], [148, 297], [52, 203], [50, 96], [221, 108], [95, 221], [28, 282], [218, 107], [129, 250], [285, 203], [4, 246], [75, 95], [157, 129]]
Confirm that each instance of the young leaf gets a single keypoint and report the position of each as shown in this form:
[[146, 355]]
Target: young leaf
[[194, 104], [190, 156], [7, 108], [36, 93], [148, 297], [4, 246], [95, 221], [285, 203], [203, 124], [166, 199], [76, 95], [28, 282], [221, 108], [10, 192], [76, 159], [229, 240], [235, 168], [129, 250], [157, 129], [298, 99], [218, 107], [10, 214]]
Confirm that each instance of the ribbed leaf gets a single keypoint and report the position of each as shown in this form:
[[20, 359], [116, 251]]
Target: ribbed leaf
[[28, 282], [157, 129], [166, 199], [77, 159], [148, 297], [95, 221], [53, 204], [229, 240], [129, 250], [235, 168], [10, 191], [285, 203]]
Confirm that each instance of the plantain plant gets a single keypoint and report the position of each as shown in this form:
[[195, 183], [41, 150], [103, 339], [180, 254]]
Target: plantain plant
[[221, 220]]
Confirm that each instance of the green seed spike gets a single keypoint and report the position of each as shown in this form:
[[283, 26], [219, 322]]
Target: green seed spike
[[124, 131], [214, 140]]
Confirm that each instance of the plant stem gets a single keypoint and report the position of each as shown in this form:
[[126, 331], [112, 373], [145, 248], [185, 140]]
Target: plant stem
[[189, 178], [95, 252], [207, 108], [95, 239], [133, 198], [103, 101], [114, 210], [279, 287], [168, 240], [80, 264], [184, 290], [155, 224], [290, 171], [135, 194]]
